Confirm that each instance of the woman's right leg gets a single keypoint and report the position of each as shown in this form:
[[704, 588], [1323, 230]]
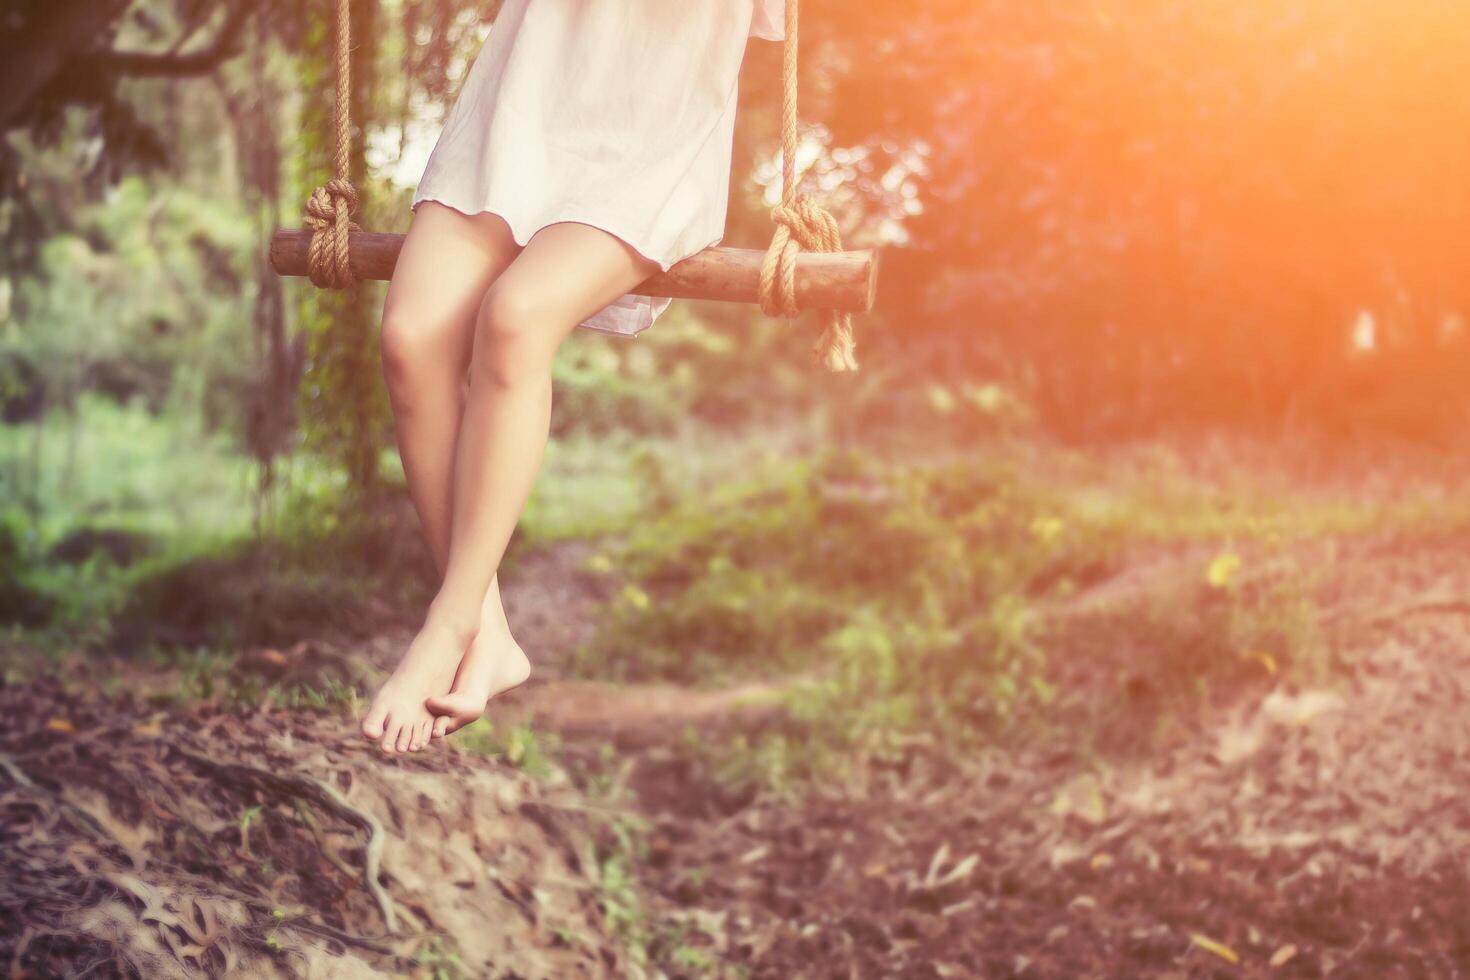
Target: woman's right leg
[[448, 262]]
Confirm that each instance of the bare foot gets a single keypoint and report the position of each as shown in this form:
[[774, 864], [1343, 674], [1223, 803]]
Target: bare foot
[[398, 720], [493, 665]]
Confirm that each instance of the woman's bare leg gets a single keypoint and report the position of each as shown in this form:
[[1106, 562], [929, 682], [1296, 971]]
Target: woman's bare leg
[[448, 262], [567, 272]]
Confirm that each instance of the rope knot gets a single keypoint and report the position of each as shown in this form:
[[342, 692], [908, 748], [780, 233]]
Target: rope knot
[[329, 213], [804, 225]]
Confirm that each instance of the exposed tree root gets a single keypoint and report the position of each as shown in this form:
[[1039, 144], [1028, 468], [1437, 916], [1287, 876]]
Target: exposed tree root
[[293, 785], [148, 852]]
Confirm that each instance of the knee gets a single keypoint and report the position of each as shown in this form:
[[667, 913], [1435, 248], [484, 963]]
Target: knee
[[514, 337], [401, 348], [408, 351]]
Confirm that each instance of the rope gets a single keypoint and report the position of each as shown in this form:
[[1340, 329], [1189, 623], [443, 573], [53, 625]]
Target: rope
[[801, 224], [330, 208]]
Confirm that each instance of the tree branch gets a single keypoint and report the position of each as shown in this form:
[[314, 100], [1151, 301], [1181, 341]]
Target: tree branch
[[148, 64], [66, 28]]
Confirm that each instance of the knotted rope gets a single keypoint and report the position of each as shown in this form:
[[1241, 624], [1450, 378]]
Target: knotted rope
[[801, 224], [331, 206]]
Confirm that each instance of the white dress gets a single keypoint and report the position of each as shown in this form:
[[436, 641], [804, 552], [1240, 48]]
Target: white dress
[[613, 113]]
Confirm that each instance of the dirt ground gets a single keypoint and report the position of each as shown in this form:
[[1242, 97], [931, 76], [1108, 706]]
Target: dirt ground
[[1284, 831], [1301, 832], [1290, 832], [210, 842]]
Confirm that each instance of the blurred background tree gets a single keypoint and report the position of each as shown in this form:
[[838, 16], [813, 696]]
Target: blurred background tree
[[150, 148], [1161, 212]]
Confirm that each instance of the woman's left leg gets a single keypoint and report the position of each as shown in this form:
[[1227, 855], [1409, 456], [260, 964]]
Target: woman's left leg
[[449, 261], [566, 272]]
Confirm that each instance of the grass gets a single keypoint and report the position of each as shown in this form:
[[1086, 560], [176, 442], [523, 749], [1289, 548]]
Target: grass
[[621, 844], [588, 487], [1157, 492], [166, 541], [534, 753], [159, 476], [910, 590], [904, 600]]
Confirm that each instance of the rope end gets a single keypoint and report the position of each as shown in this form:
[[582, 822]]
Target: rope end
[[835, 349]]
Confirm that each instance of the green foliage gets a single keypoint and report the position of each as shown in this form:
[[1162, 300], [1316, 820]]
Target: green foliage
[[143, 298], [100, 493], [606, 386], [1235, 622], [813, 544], [148, 536], [123, 467], [438, 960], [334, 564], [520, 745], [654, 947], [902, 594], [588, 487], [21, 602]]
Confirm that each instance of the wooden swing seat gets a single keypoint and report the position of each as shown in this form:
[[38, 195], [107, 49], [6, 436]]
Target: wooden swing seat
[[844, 281]]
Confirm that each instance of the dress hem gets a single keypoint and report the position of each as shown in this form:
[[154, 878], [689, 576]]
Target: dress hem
[[578, 218]]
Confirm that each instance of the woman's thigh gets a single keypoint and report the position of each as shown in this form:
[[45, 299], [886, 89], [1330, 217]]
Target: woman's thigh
[[566, 272], [448, 261]]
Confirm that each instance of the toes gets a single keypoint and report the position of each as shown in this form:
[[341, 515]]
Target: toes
[[372, 724], [389, 742], [420, 735], [453, 712], [405, 738], [441, 727]]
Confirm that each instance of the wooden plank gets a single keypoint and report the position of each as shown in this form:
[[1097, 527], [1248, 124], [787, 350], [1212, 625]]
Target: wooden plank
[[824, 280]]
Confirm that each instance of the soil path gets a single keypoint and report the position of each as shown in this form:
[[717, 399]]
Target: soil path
[[1295, 833]]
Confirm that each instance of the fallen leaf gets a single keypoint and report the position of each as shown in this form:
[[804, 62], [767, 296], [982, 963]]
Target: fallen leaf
[[1219, 949], [1101, 861], [1081, 797], [1222, 569], [941, 399], [935, 863], [1263, 658], [1283, 955], [1045, 528], [61, 725], [958, 872], [1300, 709]]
